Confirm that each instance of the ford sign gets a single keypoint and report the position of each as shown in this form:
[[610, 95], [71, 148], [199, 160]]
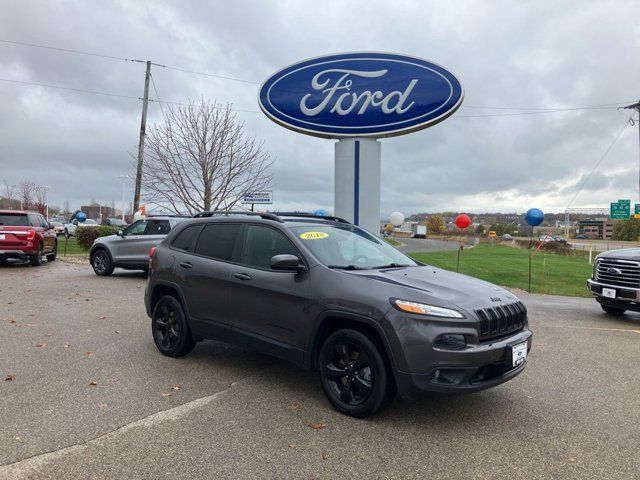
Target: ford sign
[[360, 95]]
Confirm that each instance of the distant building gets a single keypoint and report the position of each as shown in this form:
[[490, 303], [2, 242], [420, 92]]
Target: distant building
[[600, 228]]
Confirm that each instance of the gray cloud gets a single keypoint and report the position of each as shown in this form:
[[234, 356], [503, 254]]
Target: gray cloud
[[506, 54]]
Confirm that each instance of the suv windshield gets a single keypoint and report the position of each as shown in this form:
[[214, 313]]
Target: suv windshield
[[349, 247]]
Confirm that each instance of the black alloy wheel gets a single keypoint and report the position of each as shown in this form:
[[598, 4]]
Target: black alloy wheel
[[171, 332], [101, 263], [354, 375], [51, 257]]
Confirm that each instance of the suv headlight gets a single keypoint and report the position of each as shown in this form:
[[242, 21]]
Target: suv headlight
[[424, 309]]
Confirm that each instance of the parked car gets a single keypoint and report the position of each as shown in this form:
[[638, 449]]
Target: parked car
[[507, 237], [615, 281], [115, 222], [546, 238], [58, 227], [582, 236], [559, 238], [331, 297], [26, 236], [70, 228], [129, 249]]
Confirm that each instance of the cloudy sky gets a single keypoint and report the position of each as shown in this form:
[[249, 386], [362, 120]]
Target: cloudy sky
[[511, 56]]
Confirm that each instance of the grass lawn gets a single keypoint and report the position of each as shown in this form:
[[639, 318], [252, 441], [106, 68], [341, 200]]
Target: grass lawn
[[72, 247], [391, 241], [508, 266]]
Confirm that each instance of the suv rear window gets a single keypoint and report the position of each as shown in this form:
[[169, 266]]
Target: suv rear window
[[14, 219], [185, 239], [218, 241]]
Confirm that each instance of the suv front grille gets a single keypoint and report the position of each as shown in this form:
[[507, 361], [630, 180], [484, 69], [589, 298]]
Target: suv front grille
[[621, 273], [501, 320]]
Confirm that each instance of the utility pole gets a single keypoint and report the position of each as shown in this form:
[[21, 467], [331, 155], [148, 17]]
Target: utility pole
[[143, 127], [636, 107]]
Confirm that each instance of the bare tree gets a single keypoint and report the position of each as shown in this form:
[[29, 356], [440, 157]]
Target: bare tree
[[40, 194], [200, 158], [26, 192], [10, 192]]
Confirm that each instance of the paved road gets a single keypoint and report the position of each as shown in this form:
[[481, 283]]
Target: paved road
[[425, 245], [574, 413]]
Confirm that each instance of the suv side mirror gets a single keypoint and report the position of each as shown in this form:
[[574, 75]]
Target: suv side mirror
[[286, 262]]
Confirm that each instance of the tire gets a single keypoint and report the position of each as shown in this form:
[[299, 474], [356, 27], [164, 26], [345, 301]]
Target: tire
[[36, 258], [358, 389], [613, 310], [170, 329], [51, 257], [101, 262]]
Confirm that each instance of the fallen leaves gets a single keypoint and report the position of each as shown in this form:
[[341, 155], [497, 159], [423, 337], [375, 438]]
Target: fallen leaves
[[293, 407], [41, 345], [93, 383], [116, 331], [66, 345], [175, 387], [9, 378], [88, 354], [102, 317], [166, 394], [317, 426], [292, 445]]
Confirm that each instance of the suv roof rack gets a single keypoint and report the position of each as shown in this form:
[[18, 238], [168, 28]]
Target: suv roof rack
[[311, 215], [172, 215], [227, 213]]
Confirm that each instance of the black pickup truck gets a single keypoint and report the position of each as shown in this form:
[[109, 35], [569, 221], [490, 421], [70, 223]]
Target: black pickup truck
[[615, 282]]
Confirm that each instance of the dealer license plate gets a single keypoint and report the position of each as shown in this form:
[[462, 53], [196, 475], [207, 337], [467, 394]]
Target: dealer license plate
[[609, 292], [2, 236], [519, 353]]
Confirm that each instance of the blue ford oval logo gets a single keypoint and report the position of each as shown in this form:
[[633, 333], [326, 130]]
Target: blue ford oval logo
[[360, 95]]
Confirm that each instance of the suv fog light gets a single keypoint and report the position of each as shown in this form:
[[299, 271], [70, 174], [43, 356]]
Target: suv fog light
[[450, 341]]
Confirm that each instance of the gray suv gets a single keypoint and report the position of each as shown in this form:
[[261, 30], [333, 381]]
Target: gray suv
[[331, 297], [130, 248]]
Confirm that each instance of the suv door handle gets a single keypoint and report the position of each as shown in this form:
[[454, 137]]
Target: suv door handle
[[186, 265], [242, 276]]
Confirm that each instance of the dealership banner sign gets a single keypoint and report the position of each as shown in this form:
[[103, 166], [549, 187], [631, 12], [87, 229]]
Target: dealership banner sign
[[360, 95]]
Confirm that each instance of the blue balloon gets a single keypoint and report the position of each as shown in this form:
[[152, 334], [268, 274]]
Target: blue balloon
[[534, 217], [320, 212], [81, 216]]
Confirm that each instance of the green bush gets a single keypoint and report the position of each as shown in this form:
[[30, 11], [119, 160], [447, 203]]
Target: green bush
[[85, 236]]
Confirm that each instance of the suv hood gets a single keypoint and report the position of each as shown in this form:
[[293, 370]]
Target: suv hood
[[442, 287]]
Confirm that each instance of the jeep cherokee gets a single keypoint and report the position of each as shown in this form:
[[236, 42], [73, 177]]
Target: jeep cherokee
[[330, 296]]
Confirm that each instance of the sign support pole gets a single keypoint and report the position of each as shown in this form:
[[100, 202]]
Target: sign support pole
[[357, 182]]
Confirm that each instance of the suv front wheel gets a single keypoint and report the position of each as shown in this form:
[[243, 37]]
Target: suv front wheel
[[354, 375], [101, 262], [171, 332]]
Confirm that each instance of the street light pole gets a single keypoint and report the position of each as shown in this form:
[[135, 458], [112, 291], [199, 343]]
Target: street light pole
[[123, 178], [47, 187], [636, 107]]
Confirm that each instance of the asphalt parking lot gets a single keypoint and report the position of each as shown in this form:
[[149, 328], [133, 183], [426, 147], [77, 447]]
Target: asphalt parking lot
[[573, 413]]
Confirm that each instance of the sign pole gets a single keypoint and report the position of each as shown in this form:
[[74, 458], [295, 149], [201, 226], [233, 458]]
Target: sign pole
[[530, 255]]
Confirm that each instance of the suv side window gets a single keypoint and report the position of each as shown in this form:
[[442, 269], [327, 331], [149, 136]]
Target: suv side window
[[136, 228], [43, 222], [219, 241], [186, 239], [157, 227], [34, 221], [263, 243]]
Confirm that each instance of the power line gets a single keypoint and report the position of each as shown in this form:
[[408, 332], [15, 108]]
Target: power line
[[94, 92], [546, 108], [160, 102], [604, 155], [113, 57]]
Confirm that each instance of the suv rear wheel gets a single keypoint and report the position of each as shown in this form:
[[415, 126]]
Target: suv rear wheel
[[171, 332], [36, 258], [354, 375], [101, 262]]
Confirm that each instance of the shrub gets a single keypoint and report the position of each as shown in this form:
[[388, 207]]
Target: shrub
[[85, 236], [554, 247]]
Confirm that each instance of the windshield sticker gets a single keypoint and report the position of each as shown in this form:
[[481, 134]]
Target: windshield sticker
[[313, 235]]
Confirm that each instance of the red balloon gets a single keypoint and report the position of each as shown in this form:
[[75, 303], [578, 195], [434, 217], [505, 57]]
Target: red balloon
[[463, 220]]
